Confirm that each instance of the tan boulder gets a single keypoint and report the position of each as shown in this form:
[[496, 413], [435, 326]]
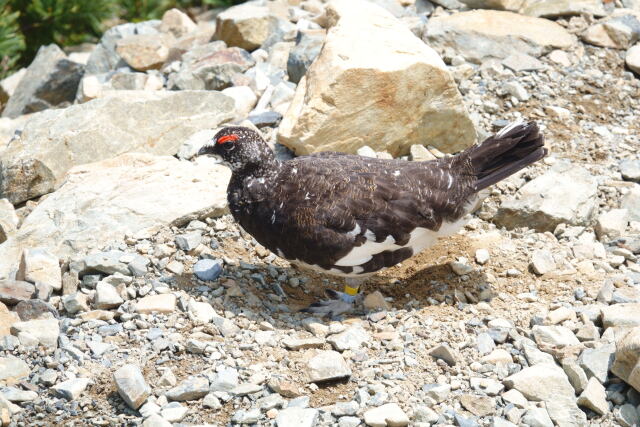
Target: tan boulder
[[482, 34], [627, 362], [632, 58], [249, 25], [8, 220], [512, 5], [557, 8], [177, 23], [374, 83], [145, 51]]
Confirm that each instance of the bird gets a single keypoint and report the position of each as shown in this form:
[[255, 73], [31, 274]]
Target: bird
[[352, 216]]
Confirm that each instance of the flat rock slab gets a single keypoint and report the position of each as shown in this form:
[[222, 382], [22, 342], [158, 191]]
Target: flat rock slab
[[370, 72], [327, 366], [46, 331], [627, 358], [103, 201], [13, 369], [54, 141], [14, 291], [389, 414], [163, 303]]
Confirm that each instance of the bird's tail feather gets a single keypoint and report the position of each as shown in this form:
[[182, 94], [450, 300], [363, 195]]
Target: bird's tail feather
[[516, 146]]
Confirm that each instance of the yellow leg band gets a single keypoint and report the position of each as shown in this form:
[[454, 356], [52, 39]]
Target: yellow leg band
[[350, 291]]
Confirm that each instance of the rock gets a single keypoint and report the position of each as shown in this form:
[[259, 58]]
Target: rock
[[200, 312], [9, 84], [45, 331], [437, 392], [520, 62], [297, 417], [630, 169], [207, 269], [104, 57], [625, 315], [189, 241], [548, 383], [155, 420], [627, 415], [511, 5], [302, 343], [594, 397], [51, 80], [7, 318], [173, 412], [479, 35], [575, 374], [326, 366], [612, 224], [106, 296], [212, 67], [144, 52], [13, 369], [8, 220], [75, 303], [307, 48], [632, 58], [190, 389], [105, 262], [375, 301], [498, 357], [131, 385], [38, 265], [445, 353], [35, 309], [54, 141], [104, 201], [619, 32], [362, 63], [389, 414], [14, 291], [558, 8], [596, 362], [564, 194], [265, 118], [485, 343], [244, 97], [163, 303], [225, 380], [177, 23], [479, 406], [247, 26], [554, 336], [226, 326], [627, 357], [13, 394], [242, 416], [516, 90], [461, 266], [351, 339], [71, 389], [537, 417], [542, 262]]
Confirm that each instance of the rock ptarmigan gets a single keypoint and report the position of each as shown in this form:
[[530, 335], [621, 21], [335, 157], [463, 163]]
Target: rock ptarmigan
[[352, 216]]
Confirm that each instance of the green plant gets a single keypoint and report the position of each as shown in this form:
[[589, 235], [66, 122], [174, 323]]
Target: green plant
[[143, 10], [11, 39]]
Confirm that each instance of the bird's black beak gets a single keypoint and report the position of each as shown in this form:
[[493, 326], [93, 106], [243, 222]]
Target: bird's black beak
[[206, 149]]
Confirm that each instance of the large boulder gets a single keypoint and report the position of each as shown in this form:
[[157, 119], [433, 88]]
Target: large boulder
[[478, 35], [51, 80], [101, 202], [627, 362], [54, 141], [566, 193], [558, 8], [619, 32], [374, 83]]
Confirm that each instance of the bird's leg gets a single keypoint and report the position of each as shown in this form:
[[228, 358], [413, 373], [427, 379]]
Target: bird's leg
[[338, 302]]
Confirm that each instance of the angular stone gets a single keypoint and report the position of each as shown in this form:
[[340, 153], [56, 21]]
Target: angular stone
[[627, 415], [297, 417], [104, 201], [54, 141], [566, 193], [247, 25], [189, 241], [50, 80], [163, 303], [596, 362], [479, 406], [46, 331], [438, 392], [106, 296], [14, 291], [326, 366], [445, 353], [71, 389], [538, 417], [34, 309], [548, 383], [190, 389], [632, 58], [13, 369], [155, 420], [131, 385], [542, 262], [371, 59], [612, 224], [200, 312], [555, 336], [8, 220], [38, 265], [174, 412], [177, 23], [624, 315], [307, 48], [594, 397], [627, 357], [224, 380], [630, 169], [619, 32], [479, 35], [389, 414], [303, 343], [558, 8], [244, 97], [351, 339], [575, 374], [144, 51], [207, 269], [75, 303]]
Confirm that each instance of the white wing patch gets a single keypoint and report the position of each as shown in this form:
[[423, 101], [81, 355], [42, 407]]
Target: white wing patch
[[363, 253]]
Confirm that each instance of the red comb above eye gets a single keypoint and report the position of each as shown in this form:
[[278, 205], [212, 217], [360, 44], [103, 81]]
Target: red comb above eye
[[227, 138]]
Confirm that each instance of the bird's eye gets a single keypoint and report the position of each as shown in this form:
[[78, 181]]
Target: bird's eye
[[227, 138]]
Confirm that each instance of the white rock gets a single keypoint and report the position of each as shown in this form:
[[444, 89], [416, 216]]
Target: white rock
[[612, 224], [351, 339], [297, 417], [247, 25], [542, 262], [101, 202], [558, 8], [327, 365], [244, 97], [555, 336], [164, 303], [38, 265], [131, 385], [8, 220], [71, 389], [46, 331], [594, 397], [106, 296], [155, 420], [200, 312], [627, 360], [371, 59], [632, 58], [177, 23], [389, 414]]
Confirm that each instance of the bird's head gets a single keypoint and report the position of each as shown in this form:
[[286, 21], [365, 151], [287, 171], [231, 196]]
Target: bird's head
[[238, 147]]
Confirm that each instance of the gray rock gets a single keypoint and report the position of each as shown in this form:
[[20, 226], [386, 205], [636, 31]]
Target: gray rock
[[211, 401], [307, 48], [297, 417], [438, 392], [245, 389], [516, 90], [625, 315], [225, 380], [46, 331], [54, 141], [445, 353], [106, 262], [189, 241], [131, 385], [627, 415], [14, 291], [226, 326], [326, 366], [485, 343], [348, 422], [249, 416], [207, 269], [594, 397], [190, 389], [537, 417], [597, 362], [564, 194], [173, 412], [75, 303], [35, 309], [350, 339], [627, 359], [50, 80], [520, 62], [71, 389], [619, 32], [576, 375], [549, 383], [555, 336], [106, 296], [558, 8]]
